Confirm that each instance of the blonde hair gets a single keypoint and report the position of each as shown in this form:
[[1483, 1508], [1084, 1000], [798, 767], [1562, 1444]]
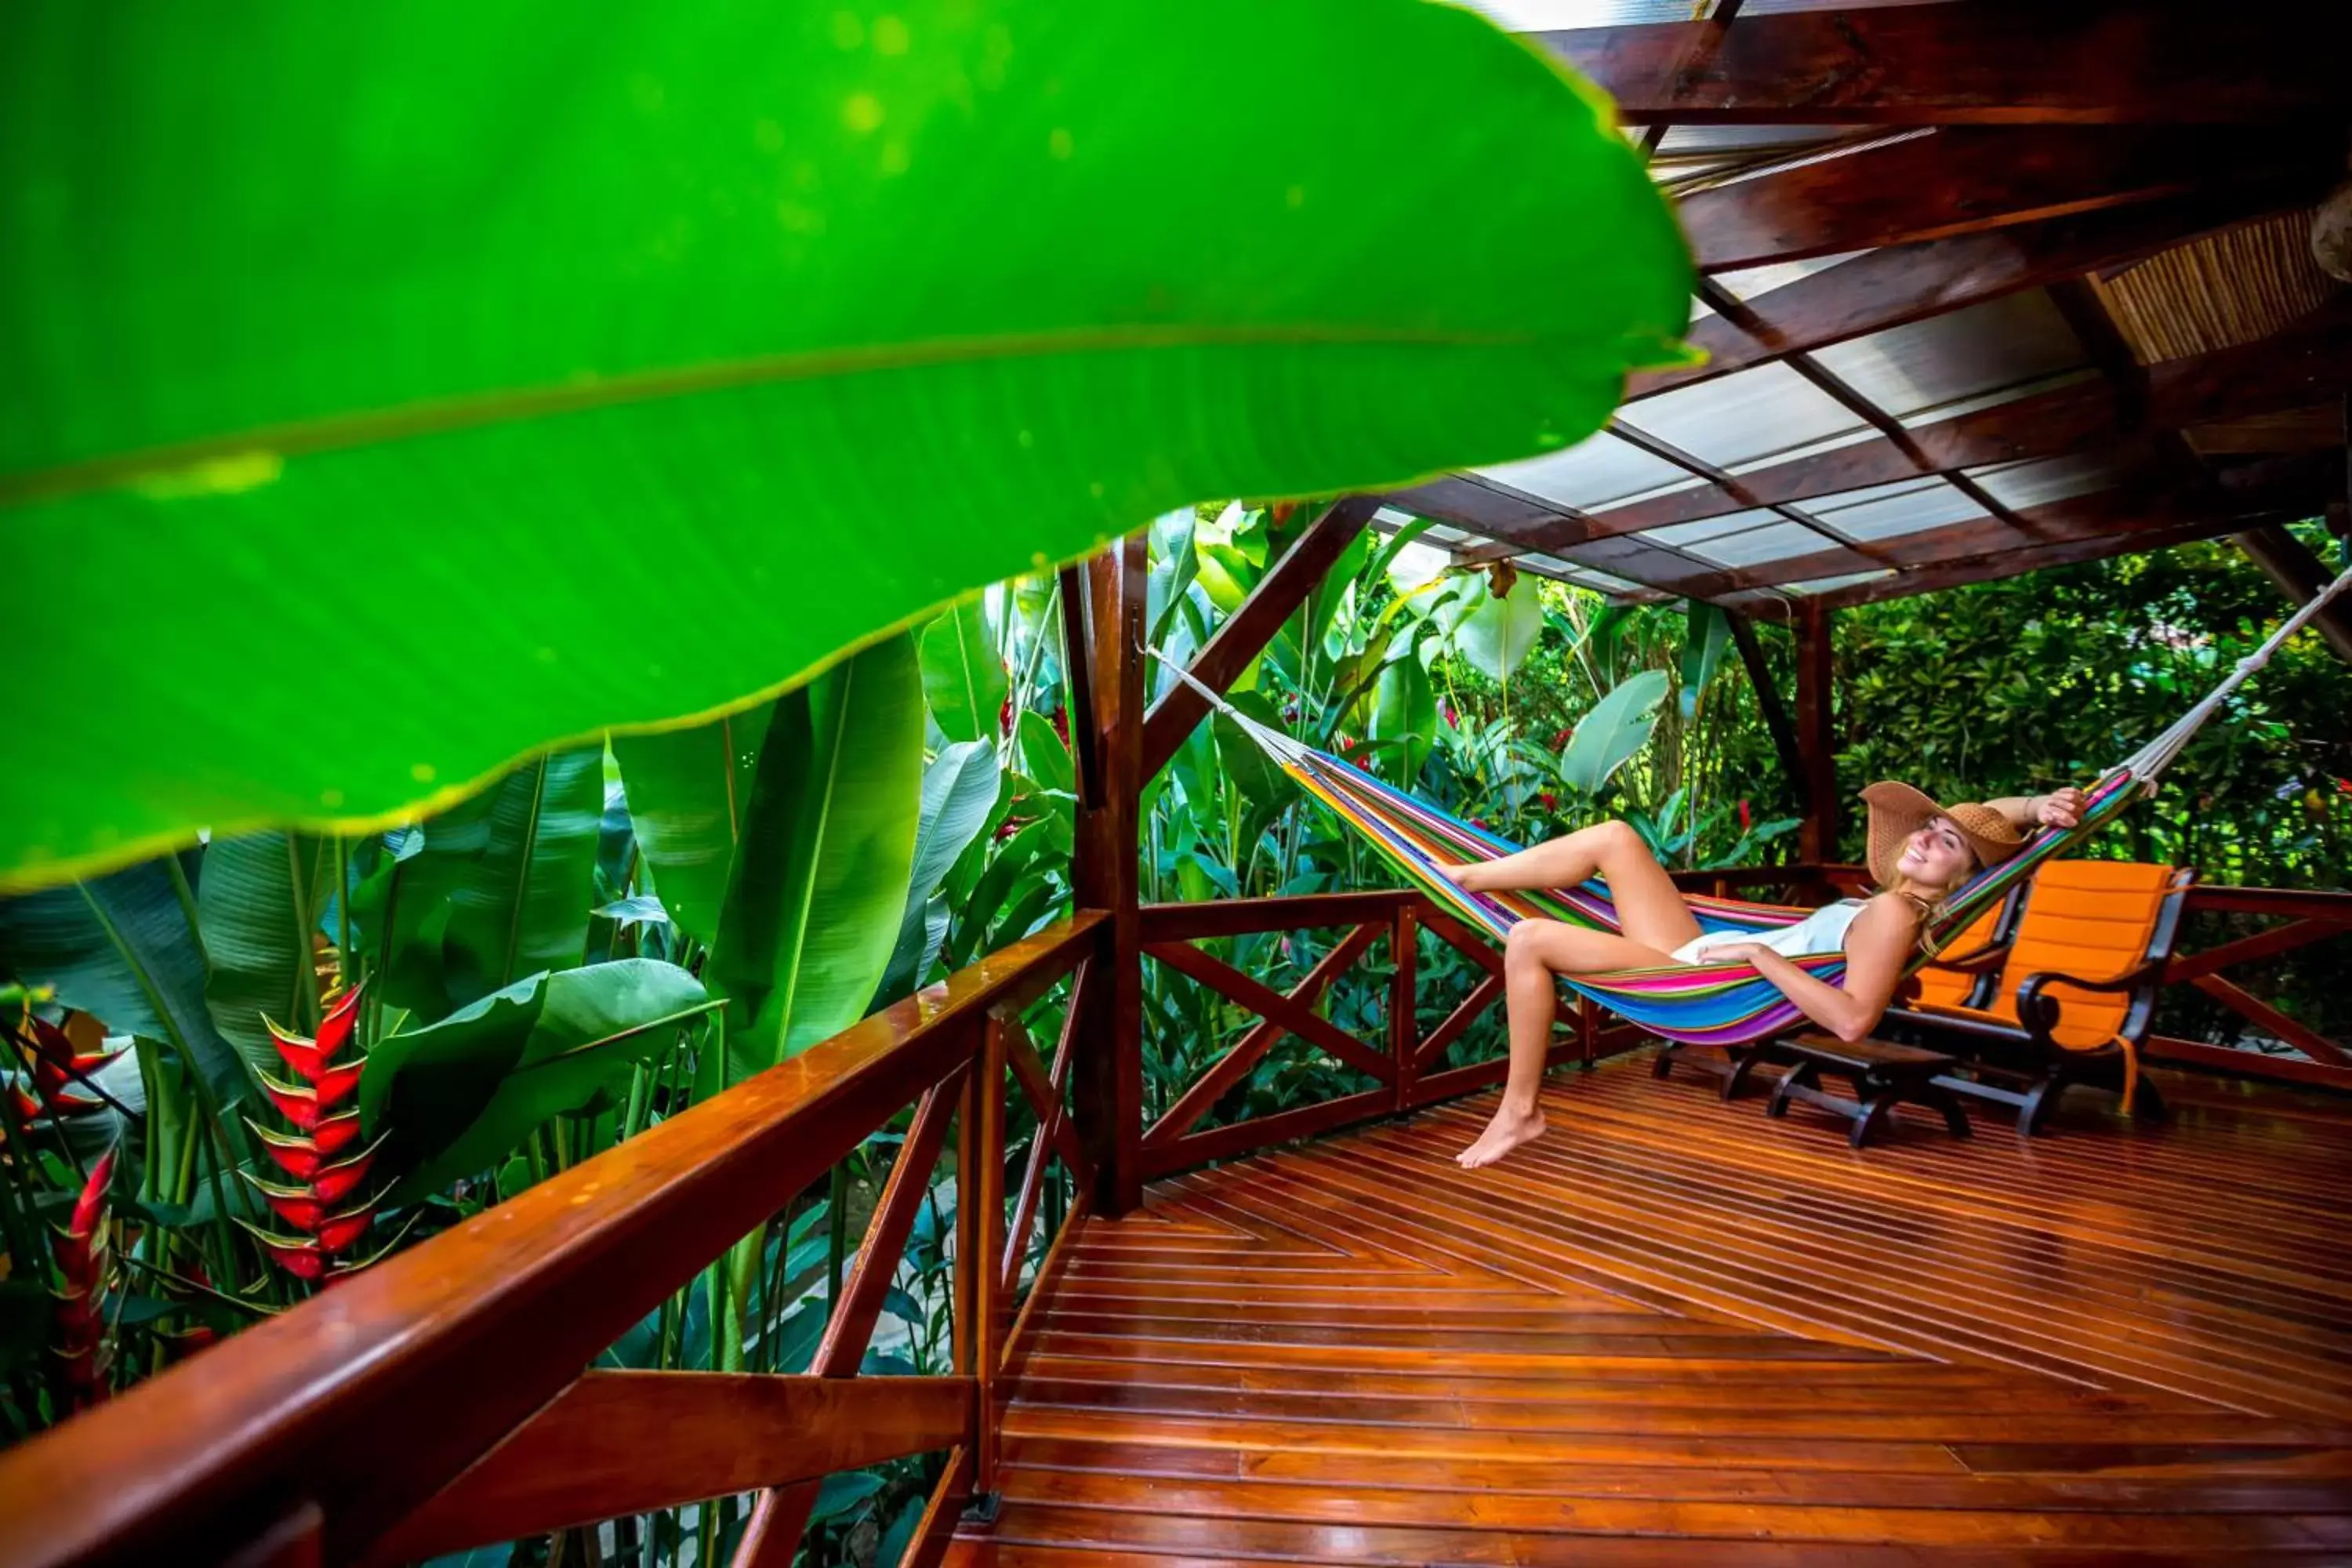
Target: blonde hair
[[1928, 910]]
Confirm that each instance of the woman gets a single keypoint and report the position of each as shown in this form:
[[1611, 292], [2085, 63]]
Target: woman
[[1919, 854]]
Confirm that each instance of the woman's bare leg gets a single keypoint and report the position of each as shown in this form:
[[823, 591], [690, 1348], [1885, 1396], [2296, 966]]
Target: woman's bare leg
[[1649, 908], [1536, 952]]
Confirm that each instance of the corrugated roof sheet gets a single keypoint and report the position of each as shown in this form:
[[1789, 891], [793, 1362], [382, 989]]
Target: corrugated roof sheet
[[1593, 473], [1747, 415], [1917, 371]]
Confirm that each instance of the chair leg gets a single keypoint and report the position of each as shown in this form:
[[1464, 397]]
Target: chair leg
[[1873, 1120], [2033, 1116], [2147, 1104], [1802, 1076], [1956, 1119], [1743, 1067], [1664, 1066]]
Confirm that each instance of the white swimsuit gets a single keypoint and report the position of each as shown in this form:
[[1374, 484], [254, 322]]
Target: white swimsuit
[[1823, 930]]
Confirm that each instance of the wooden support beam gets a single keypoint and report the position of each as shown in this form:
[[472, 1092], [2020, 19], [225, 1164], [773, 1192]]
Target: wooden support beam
[[1970, 178], [1104, 866], [1817, 735], [1775, 715], [2299, 575], [1990, 62], [1901, 284], [618, 1443], [1245, 632], [2011, 562]]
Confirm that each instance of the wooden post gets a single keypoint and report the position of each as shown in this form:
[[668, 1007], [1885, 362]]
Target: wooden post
[[980, 1217], [1816, 737], [1404, 1036], [1108, 1066]]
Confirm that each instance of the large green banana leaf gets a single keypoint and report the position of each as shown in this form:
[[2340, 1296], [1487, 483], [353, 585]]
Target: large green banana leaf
[[503, 886], [964, 675], [256, 906], [819, 317], [688, 791], [457, 1095], [958, 796], [820, 878]]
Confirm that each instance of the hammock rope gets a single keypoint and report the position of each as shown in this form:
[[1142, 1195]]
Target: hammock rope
[[1701, 1003]]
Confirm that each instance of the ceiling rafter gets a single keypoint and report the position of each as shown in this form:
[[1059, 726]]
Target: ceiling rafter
[[1993, 62]]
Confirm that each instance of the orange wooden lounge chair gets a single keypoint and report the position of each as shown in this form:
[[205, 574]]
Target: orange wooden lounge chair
[[2076, 992]]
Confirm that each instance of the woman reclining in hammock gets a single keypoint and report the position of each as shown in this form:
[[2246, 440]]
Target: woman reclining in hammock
[[1919, 854]]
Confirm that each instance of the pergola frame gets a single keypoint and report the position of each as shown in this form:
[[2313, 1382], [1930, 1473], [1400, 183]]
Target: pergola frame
[[1989, 147]]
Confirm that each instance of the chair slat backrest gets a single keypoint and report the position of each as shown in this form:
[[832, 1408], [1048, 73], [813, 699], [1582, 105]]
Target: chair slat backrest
[[2099, 919], [1942, 988]]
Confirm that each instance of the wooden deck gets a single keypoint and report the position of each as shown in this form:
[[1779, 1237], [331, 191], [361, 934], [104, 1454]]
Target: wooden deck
[[1674, 1331]]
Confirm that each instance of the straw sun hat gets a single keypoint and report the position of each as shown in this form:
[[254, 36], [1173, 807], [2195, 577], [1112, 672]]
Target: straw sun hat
[[1897, 811]]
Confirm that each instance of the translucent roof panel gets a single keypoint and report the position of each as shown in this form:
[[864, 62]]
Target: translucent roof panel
[[1913, 371], [1389, 516], [1889, 512], [1686, 533], [1593, 473], [2042, 480], [1756, 546], [1824, 585], [1753, 282], [1756, 413]]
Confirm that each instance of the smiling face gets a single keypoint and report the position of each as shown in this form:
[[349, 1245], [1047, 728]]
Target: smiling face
[[1936, 855]]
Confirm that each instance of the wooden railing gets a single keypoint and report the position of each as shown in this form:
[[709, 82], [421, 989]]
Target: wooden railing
[[440, 1400], [1403, 1063], [2308, 918]]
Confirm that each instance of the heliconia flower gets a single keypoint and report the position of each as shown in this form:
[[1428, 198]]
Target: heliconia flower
[[55, 1065], [85, 1260], [1745, 820], [319, 1202]]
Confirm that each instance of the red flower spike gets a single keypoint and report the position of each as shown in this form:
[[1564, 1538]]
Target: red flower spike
[[337, 1084], [297, 1157], [316, 1205], [85, 1261], [299, 1256], [336, 1134], [58, 1071], [298, 1104], [337, 1232]]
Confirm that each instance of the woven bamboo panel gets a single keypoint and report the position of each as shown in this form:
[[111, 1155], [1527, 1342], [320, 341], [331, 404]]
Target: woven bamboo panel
[[2226, 289]]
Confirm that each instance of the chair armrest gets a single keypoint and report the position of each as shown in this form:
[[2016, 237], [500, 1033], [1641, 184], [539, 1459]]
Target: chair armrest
[[2037, 1011], [1976, 960]]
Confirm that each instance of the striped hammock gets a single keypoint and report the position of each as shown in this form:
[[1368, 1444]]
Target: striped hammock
[[1702, 1003]]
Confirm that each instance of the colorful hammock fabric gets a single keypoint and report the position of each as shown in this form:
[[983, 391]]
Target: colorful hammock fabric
[[1702, 1003]]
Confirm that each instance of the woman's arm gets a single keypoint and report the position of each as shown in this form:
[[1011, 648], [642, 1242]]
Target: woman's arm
[[2061, 808], [1877, 946]]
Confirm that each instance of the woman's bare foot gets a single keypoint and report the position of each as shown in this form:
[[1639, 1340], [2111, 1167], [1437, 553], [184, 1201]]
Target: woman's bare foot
[[1507, 1132]]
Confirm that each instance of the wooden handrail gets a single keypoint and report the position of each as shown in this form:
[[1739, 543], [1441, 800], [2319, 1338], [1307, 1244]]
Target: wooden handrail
[[347, 1412]]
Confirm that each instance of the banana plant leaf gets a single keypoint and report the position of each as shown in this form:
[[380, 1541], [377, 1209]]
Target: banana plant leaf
[[502, 299], [455, 1096], [960, 792], [257, 905], [1497, 634], [121, 948], [1619, 726], [1405, 712], [688, 791], [820, 880], [1709, 633], [964, 675], [503, 888]]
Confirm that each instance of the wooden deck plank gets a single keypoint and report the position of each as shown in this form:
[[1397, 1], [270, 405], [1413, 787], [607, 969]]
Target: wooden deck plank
[[1674, 1331]]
